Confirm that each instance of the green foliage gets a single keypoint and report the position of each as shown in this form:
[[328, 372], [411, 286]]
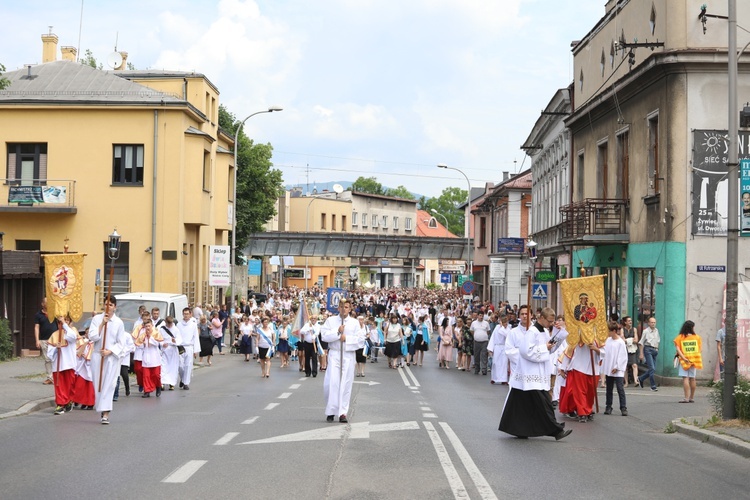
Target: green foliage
[[400, 192], [6, 343], [368, 185], [4, 82], [433, 286], [447, 204], [670, 429], [131, 66], [741, 395], [259, 185], [89, 60]]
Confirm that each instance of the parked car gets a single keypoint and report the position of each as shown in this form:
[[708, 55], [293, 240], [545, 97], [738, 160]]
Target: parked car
[[259, 297]]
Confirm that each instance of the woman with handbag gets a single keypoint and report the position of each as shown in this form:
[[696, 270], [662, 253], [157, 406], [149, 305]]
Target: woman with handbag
[[446, 344]]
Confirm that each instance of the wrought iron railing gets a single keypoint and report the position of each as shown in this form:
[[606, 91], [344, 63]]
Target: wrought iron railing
[[590, 218]]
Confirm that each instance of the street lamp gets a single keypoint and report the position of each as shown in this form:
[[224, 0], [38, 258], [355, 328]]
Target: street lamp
[[441, 215], [233, 250], [468, 217], [531, 253]]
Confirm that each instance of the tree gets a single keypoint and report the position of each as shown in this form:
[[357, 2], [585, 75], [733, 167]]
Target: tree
[[369, 185], [448, 204], [259, 185], [4, 82], [400, 192], [89, 60]]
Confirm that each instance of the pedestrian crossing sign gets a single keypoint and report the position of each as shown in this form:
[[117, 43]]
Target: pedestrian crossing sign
[[539, 291]]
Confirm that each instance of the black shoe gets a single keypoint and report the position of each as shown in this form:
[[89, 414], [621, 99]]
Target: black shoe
[[329, 418], [608, 410], [583, 420], [563, 434], [315, 375], [186, 388], [590, 417], [68, 407], [343, 419], [127, 390], [182, 385], [307, 374], [158, 392], [146, 395], [624, 412]]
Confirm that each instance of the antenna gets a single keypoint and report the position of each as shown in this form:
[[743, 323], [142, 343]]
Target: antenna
[[114, 60], [80, 29]]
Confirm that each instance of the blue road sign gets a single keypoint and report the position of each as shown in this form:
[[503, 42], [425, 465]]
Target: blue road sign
[[539, 291], [445, 278], [468, 287]]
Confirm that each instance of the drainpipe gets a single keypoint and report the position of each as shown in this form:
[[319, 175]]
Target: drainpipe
[[153, 203]]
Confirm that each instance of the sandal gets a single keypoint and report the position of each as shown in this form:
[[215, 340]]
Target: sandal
[[683, 401], [691, 401]]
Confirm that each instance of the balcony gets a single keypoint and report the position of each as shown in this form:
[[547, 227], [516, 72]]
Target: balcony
[[594, 222], [38, 196]]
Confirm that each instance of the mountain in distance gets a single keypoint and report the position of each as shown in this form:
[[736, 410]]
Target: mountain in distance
[[321, 186]]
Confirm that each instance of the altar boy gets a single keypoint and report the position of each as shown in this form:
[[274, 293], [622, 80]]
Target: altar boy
[[614, 363]]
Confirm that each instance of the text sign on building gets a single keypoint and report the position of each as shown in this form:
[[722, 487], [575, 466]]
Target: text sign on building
[[745, 198], [545, 276], [219, 265], [253, 267], [497, 271], [510, 245], [712, 269]]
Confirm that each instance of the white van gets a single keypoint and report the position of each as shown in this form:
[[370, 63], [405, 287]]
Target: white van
[[169, 304]]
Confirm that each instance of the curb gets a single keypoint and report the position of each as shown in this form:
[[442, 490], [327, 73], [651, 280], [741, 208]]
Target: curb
[[729, 443], [30, 407]]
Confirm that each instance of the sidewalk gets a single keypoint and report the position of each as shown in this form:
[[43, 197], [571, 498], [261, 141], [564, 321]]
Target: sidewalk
[[23, 392]]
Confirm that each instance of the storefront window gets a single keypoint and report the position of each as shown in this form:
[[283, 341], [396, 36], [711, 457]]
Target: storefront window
[[644, 299]]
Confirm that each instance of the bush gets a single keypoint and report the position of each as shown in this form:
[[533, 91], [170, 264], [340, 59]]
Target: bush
[[741, 398], [433, 286], [6, 343]]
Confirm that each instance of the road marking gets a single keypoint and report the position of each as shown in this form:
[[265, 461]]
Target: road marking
[[429, 415], [484, 488], [371, 382], [413, 377], [359, 430], [403, 377], [425, 408], [285, 395], [271, 406], [226, 438], [295, 386], [250, 421], [459, 490], [183, 473], [303, 379]]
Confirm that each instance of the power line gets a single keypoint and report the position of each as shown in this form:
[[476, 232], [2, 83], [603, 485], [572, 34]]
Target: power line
[[400, 174]]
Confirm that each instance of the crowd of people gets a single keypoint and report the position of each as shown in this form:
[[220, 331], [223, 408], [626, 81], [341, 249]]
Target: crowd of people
[[514, 346]]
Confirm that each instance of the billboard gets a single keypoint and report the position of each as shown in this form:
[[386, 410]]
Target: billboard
[[219, 266]]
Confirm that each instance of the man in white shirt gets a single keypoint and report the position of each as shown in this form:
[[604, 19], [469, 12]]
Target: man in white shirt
[[309, 337], [344, 336], [649, 350], [189, 333], [481, 329]]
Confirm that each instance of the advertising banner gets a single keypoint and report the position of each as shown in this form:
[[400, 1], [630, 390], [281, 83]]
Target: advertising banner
[[219, 266]]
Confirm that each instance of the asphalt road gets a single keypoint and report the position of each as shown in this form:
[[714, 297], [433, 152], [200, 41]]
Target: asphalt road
[[415, 433]]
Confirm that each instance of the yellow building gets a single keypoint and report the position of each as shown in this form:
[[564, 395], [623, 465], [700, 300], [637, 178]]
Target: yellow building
[[89, 151], [316, 214]]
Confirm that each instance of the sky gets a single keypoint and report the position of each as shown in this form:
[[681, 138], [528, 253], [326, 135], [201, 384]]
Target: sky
[[374, 88]]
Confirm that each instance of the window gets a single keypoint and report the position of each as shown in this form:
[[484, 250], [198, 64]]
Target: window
[[623, 166], [580, 81], [28, 245], [374, 220], [612, 54], [395, 222], [644, 300], [121, 274], [482, 232], [384, 222], [333, 222], [432, 223], [652, 19], [580, 177], [603, 62], [230, 184], [343, 222], [354, 218], [27, 164], [653, 155], [407, 223], [322, 221], [127, 164], [602, 170], [364, 219], [207, 171]]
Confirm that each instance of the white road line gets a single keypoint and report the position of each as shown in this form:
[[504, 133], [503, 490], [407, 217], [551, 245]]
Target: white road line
[[250, 421], [429, 415], [303, 379], [484, 488], [285, 395], [425, 408], [271, 406], [183, 473], [413, 377], [226, 438], [459, 490], [403, 377], [295, 386]]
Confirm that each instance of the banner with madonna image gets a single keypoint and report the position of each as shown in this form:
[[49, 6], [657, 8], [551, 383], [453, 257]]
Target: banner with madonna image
[[585, 311], [63, 275]]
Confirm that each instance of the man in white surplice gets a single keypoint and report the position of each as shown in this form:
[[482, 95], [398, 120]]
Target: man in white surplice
[[344, 336], [105, 359]]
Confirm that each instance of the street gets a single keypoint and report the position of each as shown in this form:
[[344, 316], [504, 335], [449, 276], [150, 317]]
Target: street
[[417, 432]]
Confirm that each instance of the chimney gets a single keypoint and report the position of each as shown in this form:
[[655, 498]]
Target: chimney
[[124, 64], [506, 175], [49, 47], [69, 53]]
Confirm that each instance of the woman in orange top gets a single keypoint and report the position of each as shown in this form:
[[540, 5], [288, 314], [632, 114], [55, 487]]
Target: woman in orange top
[[688, 345]]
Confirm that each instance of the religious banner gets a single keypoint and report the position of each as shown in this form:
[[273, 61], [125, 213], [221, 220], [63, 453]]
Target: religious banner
[[63, 275], [333, 297], [585, 310]]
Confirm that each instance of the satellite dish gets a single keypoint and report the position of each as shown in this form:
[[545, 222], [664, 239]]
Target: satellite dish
[[114, 60], [338, 188]]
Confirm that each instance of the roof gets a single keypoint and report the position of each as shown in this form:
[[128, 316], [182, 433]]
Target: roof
[[156, 74], [521, 181], [424, 229], [62, 82], [383, 197]]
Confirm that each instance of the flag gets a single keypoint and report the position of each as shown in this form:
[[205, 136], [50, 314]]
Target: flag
[[301, 319], [585, 310], [63, 276]]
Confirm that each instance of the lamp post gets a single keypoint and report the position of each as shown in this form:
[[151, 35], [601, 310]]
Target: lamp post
[[233, 250], [468, 217], [531, 252], [113, 251], [441, 215]]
